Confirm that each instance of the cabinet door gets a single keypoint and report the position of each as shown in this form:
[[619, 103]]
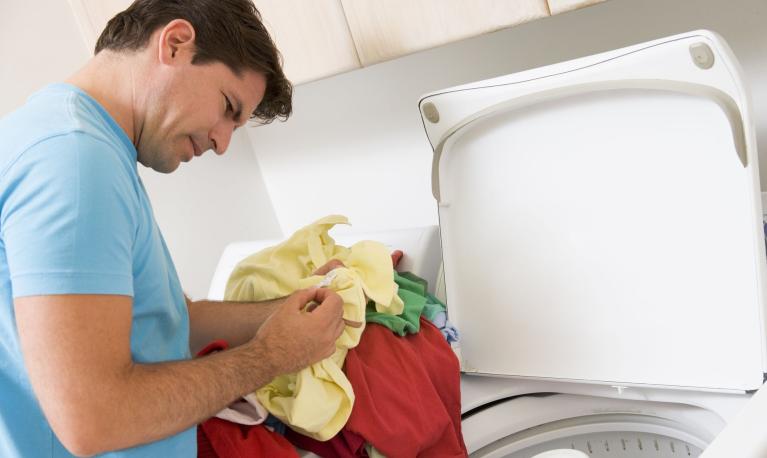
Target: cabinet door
[[561, 6], [312, 35], [384, 30]]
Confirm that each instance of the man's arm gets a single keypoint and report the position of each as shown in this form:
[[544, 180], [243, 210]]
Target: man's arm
[[235, 322], [77, 352]]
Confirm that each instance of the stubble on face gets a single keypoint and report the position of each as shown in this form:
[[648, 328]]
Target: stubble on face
[[152, 144], [184, 109]]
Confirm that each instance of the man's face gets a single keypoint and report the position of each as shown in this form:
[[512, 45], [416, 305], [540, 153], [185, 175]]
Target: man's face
[[194, 108]]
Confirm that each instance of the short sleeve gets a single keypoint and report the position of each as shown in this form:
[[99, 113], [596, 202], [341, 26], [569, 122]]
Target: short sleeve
[[68, 218]]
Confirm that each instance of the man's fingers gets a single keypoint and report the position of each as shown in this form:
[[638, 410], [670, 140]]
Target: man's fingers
[[328, 297], [325, 304], [330, 265], [324, 298], [311, 306], [302, 297], [314, 297]]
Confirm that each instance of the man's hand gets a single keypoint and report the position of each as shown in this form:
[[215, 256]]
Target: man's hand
[[236, 322], [296, 338], [330, 265], [324, 270]]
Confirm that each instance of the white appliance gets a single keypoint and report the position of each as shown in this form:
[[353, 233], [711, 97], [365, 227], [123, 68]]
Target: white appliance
[[602, 241], [603, 252]]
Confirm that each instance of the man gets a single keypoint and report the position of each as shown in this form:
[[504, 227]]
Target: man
[[95, 332]]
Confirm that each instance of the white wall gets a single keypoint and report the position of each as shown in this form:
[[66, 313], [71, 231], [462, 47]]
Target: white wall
[[202, 206], [356, 143], [39, 44], [207, 203]]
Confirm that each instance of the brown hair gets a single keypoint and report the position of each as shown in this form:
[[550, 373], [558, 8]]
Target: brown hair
[[226, 31]]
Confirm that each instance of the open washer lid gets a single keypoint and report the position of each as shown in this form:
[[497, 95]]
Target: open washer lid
[[600, 219]]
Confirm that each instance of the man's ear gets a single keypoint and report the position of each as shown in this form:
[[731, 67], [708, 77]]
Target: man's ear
[[176, 43]]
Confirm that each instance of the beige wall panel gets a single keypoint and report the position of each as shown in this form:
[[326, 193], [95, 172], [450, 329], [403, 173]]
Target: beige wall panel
[[312, 35], [384, 30], [560, 6]]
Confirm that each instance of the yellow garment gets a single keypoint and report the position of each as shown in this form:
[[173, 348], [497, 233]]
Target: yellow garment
[[317, 401]]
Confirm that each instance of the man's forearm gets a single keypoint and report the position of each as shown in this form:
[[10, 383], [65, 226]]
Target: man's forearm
[[97, 398], [151, 401], [235, 322]]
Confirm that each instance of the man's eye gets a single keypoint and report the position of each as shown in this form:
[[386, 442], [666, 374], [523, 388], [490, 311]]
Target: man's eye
[[229, 106]]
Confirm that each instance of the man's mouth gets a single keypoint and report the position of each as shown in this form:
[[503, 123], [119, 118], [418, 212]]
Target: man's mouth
[[197, 151]]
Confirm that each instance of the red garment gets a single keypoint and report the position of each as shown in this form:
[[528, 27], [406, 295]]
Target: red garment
[[396, 257], [216, 345], [231, 440], [408, 393], [204, 447], [217, 438], [408, 400], [345, 444]]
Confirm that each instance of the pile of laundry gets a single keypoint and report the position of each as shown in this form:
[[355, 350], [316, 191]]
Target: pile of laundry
[[392, 387]]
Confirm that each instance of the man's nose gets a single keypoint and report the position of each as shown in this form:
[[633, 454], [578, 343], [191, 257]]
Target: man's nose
[[220, 136]]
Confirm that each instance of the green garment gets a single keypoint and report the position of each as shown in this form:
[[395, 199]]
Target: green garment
[[423, 285], [413, 292], [432, 307]]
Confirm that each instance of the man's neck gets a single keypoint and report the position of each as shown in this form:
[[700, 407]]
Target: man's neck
[[104, 79]]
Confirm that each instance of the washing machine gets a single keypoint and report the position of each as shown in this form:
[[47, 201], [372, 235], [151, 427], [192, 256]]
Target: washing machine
[[514, 416], [604, 260], [600, 250]]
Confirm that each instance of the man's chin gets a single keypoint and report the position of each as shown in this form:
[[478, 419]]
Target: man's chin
[[162, 167], [167, 168]]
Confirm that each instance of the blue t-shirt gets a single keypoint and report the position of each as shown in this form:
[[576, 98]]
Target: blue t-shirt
[[75, 219]]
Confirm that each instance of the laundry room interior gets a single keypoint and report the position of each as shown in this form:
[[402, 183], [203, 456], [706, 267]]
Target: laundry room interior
[[362, 143]]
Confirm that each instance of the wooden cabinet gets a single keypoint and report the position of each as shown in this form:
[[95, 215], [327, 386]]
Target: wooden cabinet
[[383, 30], [311, 34], [320, 38], [561, 6]]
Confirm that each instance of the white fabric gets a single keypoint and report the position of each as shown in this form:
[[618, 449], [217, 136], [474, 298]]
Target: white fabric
[[246, 411]]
